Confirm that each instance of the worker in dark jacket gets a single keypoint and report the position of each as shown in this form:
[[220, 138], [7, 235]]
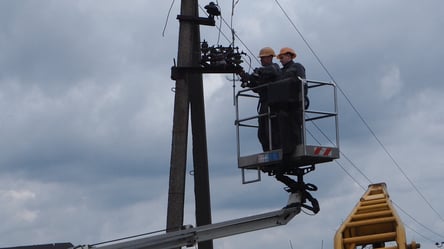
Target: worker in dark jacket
[[289, 67], [269, 72], [286, 99]]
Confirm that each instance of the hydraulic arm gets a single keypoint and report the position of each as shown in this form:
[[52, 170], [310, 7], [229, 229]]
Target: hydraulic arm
[[189, 236]]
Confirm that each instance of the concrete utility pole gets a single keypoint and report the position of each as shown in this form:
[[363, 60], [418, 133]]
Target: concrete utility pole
[[189, 93]]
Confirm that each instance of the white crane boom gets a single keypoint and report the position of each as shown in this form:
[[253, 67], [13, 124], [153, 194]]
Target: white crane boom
[[190, 236]]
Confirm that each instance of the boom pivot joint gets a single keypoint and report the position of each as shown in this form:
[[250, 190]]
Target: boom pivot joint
[[299, 189]]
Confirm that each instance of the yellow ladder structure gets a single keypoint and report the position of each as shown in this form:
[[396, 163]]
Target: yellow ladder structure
[[373, 222]]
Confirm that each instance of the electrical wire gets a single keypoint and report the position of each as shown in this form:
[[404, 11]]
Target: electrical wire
[[231, 22], [167, 17], [232, 44], [420, 234], [419, 223], [220, 26]]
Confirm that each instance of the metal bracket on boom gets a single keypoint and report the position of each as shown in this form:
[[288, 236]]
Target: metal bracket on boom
[[300, 188]]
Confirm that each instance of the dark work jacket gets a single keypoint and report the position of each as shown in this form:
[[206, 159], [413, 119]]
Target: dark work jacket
[[264, 75], [293, 69], [289, 92]]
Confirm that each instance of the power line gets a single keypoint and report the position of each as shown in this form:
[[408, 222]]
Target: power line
[[167, 17], [419, 223]]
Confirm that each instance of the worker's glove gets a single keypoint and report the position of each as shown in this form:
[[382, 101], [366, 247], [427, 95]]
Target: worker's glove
[[244, 79]]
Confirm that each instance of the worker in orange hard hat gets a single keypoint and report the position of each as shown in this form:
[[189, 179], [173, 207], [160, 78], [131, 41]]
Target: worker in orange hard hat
[[287, 99], [269, 71], [258, 80], [286, 56], [267, 51], [286, 51], [292, 69]]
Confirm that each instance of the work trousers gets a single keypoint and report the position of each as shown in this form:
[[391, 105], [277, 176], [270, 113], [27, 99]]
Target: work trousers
[[263, 133], [289, 122]]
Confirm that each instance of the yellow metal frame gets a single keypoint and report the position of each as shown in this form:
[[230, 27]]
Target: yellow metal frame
[[373, 221]]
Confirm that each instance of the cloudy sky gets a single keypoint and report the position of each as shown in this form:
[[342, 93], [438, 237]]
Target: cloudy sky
[[86, 111]]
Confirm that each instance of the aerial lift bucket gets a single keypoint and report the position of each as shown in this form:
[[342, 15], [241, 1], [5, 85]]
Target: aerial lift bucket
[[322, 122]]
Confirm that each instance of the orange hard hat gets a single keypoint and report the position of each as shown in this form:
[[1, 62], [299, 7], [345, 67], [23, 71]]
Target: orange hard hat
[[267, 51], [287, 50]]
